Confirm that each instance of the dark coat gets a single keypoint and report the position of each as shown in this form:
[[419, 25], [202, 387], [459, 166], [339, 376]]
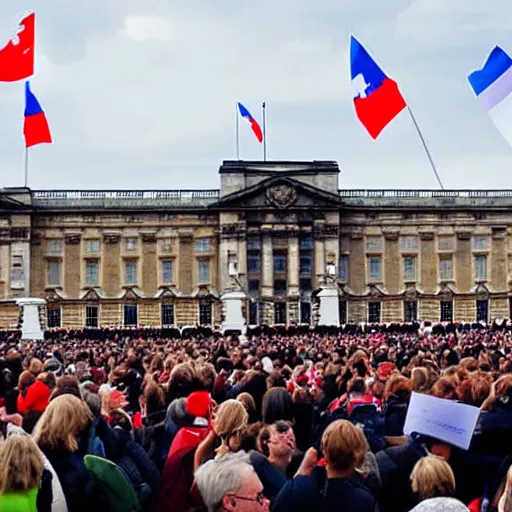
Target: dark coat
[[394, 413], [316, 492]]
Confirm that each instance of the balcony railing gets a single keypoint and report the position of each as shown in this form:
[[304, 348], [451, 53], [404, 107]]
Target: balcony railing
[[423, 194], [122, 198]]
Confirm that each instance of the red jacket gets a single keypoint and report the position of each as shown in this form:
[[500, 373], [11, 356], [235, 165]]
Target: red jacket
[[36, 399], [178, 473]]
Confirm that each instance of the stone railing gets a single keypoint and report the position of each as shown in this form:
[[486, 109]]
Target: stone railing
[[122, 198], [348, 193]]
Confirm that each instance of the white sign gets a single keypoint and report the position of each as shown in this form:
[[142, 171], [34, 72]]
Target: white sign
[[442, 419]]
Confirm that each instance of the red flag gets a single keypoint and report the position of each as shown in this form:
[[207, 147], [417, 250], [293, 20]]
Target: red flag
[[17, 57]]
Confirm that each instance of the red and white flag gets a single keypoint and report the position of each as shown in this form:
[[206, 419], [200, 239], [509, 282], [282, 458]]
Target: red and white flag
[[17, 57]]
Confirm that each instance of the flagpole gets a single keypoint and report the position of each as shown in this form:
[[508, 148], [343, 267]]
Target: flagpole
[[237, 124], [264, 108], [425, 147], [26, 167]]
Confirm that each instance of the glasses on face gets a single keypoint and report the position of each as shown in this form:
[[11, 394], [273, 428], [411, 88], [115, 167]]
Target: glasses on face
[[259, 498]]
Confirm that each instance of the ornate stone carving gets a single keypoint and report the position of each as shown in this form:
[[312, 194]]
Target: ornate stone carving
[[463, 235], [427, 235], [282, 195], [148, 238]]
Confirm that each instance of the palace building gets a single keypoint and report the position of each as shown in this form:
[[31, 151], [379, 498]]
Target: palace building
[[164, 257]]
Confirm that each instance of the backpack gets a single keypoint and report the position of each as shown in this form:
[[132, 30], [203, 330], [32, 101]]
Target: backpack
[[120, 493]]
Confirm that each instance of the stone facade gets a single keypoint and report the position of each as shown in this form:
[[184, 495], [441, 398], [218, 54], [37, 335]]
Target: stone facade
[[154, 258]]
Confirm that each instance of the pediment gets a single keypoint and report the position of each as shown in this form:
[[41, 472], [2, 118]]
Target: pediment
[[376, 291], [8, 203], [53, 296], [411, 292], [205, 293], [482, 291], [279, 193], [132, 294], [447, 291], [91, 295], [167, 292]]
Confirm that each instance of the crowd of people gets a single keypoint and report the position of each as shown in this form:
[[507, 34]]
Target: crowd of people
[[283, 420]]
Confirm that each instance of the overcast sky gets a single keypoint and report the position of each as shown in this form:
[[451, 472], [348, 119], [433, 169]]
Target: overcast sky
[[141, 94]]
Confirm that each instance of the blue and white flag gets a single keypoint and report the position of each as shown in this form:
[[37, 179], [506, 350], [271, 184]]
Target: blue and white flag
[[493, 86]]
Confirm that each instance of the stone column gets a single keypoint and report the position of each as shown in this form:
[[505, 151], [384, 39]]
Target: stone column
[[464, 263], [71, 266], [498, 261], [391, 261], [150, 264], [428, 262], [293, 280], [267, 280], [319, 263], [111, 265]]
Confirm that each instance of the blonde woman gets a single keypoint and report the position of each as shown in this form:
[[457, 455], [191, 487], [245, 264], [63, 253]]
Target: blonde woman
[[432, 477], [21, 469], [230, 420], [64, 435]]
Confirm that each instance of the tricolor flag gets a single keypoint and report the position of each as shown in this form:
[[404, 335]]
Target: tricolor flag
[[493, 86], [254, 124], [35, 127], [17, 57], [377, 99]]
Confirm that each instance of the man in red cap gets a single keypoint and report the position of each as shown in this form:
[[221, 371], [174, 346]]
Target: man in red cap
[[193, 413]]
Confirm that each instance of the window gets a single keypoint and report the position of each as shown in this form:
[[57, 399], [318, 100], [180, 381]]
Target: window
[[202, 245], [204, 271], [481, 243], [446, 311], [253, 313], [306, 241], [167, 271], [130, 272], [92, 246], [374, 267], [280, 312], [482, 310], [374, 312], [480, 267], [409, 268], [54, 273], [54, 246], [17, 273], [279, 263], [280, 287], [131, 244], [305, 312], [253, 243], [92, 273], [445, 243], [342, 310], [373, 244], [306, 265], [410, 311], [446, 268], [205, 313], [167, 314], [343, 270], [54, 318], [254, 287], [130, 315], [253, 263], [91, 316], [409, 243]]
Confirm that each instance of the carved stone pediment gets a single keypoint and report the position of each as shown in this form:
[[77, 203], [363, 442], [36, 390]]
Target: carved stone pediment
[[91, 295], [131, 294], [482, 291], [52, 296], [282, 195], [411, 292], [375, 291], [446, 291]]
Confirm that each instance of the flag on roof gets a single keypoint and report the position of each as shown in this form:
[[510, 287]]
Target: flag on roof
[[377, 99], [254, 124], [493, 86], [17, 57], [35, 127]]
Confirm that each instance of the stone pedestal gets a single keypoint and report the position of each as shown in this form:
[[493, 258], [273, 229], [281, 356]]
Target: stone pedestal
[[233, 317], [328, 312], [31, 327]]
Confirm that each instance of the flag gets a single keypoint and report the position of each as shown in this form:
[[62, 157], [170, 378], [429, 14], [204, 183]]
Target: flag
[[377, 100], [254, 124], [17, 57], [493, 86], [35, 128]]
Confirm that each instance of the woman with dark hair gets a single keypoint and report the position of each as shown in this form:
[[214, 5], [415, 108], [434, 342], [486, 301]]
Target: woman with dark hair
[[277, 405]]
